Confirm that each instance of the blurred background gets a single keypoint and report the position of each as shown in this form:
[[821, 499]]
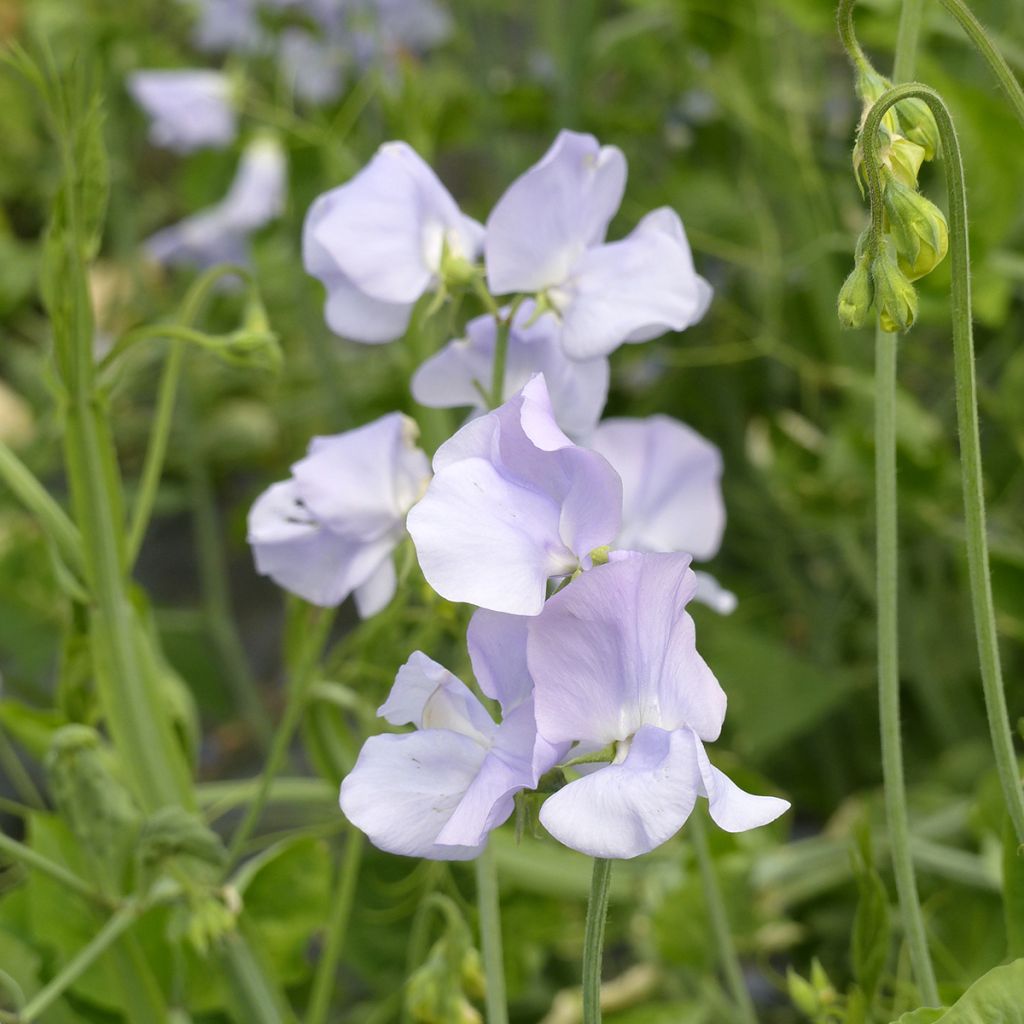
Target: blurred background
[[740, 116]]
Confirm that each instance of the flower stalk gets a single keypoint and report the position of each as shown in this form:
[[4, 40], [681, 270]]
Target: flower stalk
[[489, 907], [593, 940]]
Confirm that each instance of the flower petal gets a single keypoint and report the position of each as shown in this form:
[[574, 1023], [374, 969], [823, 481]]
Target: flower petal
[[189, 109], [615, 650], [550, 214], [497, 651], [671, 485], [634, 289], [403, 789], [625, 810], [732, 808], [376, 593]]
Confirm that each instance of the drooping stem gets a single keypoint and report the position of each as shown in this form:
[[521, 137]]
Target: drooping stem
[[967, 424], [593, 940], [976, 31], [490, 936], [302, 676], [727, 958], [888, 665], [848, 35], [337, 925]]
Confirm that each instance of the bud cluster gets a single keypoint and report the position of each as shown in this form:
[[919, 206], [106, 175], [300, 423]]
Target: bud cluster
[[915, 236]]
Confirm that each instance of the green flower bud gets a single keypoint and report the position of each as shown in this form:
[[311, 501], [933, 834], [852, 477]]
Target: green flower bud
[[173, 832], [871, 86], [802, 994], [894, 294], [917, 123], [856, 295], [918, 228], [896, 154]]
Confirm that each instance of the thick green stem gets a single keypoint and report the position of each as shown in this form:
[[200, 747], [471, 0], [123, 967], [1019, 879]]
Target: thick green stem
[[976, 31], [907, 40], [727, 958], [967, 421], [888, 665], [847, 34], [337, 926], [593, 940], [23, 484], [488, 904], [303, 675]]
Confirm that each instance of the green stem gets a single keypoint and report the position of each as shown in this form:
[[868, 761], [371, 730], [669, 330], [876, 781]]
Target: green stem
[[23, 484], [37, 862], [337, 927], [489, 906], [848, 35], [727, 958], [967, 422], [253, 998], [907, 39], [115, 927], [19, 777], [593, 940], [976, 31], [504, 328], [314, 638], [888, 665]]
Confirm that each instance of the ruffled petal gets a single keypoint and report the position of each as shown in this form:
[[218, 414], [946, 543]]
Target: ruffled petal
[[615, 650], [550, 214], [497, 651], [671, 485], [733, 809], [403, 789], [634, 289], [627, 809]]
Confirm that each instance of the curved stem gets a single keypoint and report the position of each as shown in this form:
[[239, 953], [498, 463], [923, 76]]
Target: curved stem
[[848, 35], [976, 31], [967, 424], [593, 940], [337, 925], [888, 665], [727, 958], [490, 936]]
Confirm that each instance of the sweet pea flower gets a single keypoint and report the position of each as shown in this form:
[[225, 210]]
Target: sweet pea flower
[[437, 792], [671, 492], [512, 504], [379, 242], [547, 236], [220, 234], [614, 663], [460, 374], [331, 529], [188, 109]]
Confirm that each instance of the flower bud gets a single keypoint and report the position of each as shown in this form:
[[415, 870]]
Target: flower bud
[[856, 295], [871, 86], [917, 122], [918, 228], [894, 294], [896, 153]]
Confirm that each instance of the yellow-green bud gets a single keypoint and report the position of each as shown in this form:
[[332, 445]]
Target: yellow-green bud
[[802, 993], [896, 153], [870, 86], [918, 228], [894, 294], [856, 295], [917, 123]]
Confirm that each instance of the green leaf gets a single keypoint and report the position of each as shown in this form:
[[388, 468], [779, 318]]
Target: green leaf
[[93, 170], [870, 941], [1013, 891], [925, 1015], [33, 728], [995, 998]]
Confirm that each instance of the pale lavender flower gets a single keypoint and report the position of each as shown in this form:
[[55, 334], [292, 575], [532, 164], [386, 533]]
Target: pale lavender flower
[[188, 109], [230, 26], [614, 663], [220, 233], [671, 493], [437, 792], [512, 504], [331, 529], [460, 374], [313, 67], [378, 243], [547, 236]]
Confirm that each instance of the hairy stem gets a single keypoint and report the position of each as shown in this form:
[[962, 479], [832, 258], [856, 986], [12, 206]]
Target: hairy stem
[[593, 940], [490, 936], [37, 862]]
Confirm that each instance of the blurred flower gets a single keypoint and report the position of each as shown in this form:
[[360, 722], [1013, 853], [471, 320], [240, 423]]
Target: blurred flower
[[546, 236], [331, 529], [439, 791], [312, 66], [220, 233], [614, 663], [188, 110], [513, 503], [380, 242], [460, 374]]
